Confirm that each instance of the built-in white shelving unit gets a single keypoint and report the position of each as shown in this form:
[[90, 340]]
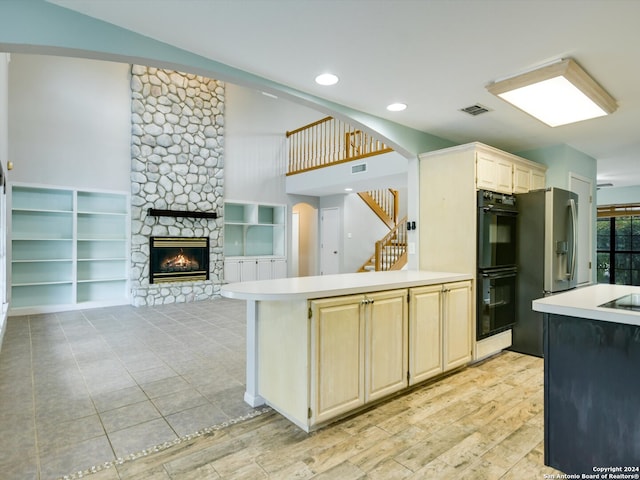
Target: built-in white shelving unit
[[254, 241], [69, 248]]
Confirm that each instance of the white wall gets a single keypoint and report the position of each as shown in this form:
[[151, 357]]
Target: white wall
[[70, 122], [256, 160], [362, 229], [255, 144], [4, 109], [619, 195], [4, 153]]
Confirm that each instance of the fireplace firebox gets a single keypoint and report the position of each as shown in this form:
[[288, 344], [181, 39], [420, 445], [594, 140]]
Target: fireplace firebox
[[179, 259]]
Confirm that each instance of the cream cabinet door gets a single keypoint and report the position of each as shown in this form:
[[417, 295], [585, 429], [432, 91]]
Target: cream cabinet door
[[425, 333], [386, 343], [538, 180], [457, 324], [337, 360], [486, 172], [521, 179], [493, 173], [505, 176]]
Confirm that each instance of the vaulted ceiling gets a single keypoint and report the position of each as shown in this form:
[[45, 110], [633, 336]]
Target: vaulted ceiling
[[436, 56]]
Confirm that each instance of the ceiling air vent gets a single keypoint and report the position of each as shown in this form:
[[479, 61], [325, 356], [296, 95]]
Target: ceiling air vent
[[475, 110], [362, 167]]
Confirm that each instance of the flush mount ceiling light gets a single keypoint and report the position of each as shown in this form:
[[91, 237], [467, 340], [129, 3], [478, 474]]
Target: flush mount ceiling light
[[396, 107], [556, 94], [326, 79]]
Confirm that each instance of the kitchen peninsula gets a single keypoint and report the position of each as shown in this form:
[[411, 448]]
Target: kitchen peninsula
[[321, 347], [592, 378]]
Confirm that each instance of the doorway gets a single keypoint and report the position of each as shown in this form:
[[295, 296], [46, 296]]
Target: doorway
[[304, 240], [583, 187], [330, 241]]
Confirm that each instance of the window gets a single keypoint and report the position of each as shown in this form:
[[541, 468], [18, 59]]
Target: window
[[618, 251]]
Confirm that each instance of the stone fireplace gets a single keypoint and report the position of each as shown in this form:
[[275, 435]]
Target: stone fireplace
[[177, 165]]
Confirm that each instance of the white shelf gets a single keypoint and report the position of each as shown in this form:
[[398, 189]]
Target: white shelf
[[106, 203], [44, 295], [252, 229], [100, 291], [68, 247]]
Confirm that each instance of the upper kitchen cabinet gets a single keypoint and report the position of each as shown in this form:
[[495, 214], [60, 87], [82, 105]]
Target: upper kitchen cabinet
[[527, 177], [494, 172], [503, 172]]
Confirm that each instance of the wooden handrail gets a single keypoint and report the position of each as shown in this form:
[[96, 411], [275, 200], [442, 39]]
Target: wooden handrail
[[306, 127], [391, 250], [394, 244], [384, 203], [329, 141]]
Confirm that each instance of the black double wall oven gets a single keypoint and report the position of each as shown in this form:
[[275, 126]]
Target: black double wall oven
[[497, 272]]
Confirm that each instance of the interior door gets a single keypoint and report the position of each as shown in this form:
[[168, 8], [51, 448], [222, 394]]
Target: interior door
[[330, 241], [583, 187]]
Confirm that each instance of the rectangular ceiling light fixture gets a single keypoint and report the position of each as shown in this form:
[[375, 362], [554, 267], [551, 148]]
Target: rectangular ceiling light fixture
[[556, 94]]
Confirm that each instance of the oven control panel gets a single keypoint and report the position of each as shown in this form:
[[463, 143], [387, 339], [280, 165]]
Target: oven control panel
[[487, 198]]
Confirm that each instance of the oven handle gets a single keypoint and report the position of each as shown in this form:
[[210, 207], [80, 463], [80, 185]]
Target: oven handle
[[498, 275], [497, 304], [498, 211]]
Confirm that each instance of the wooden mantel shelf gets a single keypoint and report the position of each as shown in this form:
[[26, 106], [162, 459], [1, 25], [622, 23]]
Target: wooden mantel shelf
[[180, 213]]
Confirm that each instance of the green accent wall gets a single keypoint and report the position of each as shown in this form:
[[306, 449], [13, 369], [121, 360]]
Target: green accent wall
[[560, 161]]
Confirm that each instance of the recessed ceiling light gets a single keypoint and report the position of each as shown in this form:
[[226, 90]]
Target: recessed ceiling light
[[348, 189], [396, 107], [327, 79]]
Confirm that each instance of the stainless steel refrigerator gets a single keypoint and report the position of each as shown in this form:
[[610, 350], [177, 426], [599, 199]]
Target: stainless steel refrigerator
[[546, 258]]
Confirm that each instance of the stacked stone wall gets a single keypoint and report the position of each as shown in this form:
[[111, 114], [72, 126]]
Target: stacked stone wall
[[177, 163]]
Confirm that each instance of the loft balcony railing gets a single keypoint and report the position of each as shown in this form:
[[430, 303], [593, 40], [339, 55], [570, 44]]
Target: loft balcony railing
[[329, 142]]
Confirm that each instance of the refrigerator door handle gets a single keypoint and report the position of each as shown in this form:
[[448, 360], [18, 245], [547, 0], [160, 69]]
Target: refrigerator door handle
[[574, 226]]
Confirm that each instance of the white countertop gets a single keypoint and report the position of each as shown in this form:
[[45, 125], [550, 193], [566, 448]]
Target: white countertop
[[583, 303], [301, 288]]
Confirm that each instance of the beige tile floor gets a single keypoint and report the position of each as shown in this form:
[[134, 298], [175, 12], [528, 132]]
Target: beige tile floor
[[86, 387]]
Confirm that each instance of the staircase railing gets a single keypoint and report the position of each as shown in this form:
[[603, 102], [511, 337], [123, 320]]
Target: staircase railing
[[384, 203], [391, 250], [327, 142]]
